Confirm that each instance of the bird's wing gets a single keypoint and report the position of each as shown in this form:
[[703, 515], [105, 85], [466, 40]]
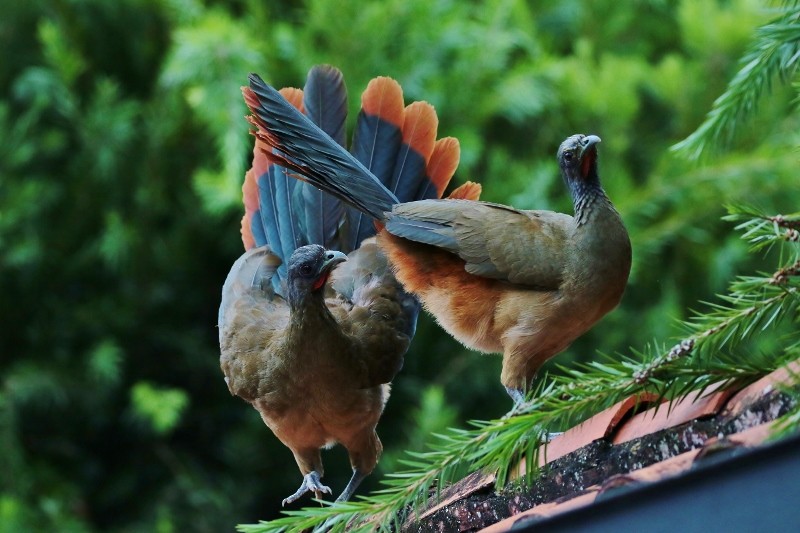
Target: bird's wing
[[302, 147], [251, 317], [375, 311], [495, 241]]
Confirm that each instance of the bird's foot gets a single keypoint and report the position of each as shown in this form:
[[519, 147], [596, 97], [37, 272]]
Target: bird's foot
[[518, 397], [311, 482], [549, 436], [519, 402]]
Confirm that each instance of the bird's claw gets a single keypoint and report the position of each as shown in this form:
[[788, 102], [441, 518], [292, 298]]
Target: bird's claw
[[519, 402], [518, 397], [311, 482], [549, 436]]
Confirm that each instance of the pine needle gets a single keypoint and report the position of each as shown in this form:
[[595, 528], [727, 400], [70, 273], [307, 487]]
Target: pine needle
[[774, 53], [711, 354]]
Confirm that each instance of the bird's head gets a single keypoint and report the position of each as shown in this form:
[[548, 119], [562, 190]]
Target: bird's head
[[577, 157], [309, 268]]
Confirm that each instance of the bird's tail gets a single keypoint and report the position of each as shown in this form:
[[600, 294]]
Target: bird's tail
[[285, 213], [395, 155]]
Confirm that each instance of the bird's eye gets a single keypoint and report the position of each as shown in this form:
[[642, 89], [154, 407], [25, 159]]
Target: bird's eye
[[306, 270], [568, 156]]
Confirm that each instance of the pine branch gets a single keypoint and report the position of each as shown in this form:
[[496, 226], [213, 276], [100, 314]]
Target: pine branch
[[753, 304], [774, 54]]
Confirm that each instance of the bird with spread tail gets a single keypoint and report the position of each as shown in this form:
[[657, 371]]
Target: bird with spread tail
[[309, 336], [500, 280]]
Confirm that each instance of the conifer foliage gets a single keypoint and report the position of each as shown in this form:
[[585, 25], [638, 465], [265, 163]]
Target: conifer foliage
[[122, 152]]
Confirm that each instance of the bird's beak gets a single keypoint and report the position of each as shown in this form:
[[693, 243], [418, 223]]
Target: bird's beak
[[588, 153], [588, 142], [332, 258]]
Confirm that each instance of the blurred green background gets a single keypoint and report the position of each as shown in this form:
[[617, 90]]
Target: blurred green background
[[122, 151]]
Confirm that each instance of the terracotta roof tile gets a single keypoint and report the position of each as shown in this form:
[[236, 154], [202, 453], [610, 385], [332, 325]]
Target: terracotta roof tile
[[668, 415], [607, 452], [665, 469], [599, 426], [544, 510], [783, 376], [460, 490]]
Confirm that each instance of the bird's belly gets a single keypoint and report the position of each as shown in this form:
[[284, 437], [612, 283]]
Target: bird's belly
[[462, 303], [319, 415], [467, 315]]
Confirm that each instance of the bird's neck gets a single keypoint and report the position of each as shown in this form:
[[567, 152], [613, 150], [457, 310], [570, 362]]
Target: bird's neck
[[601, 246], [313, 336], [589, 200], [308, 305], [309, 314]]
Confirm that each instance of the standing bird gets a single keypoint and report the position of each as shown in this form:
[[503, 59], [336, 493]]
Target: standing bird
[[311, 345], [522, 283]]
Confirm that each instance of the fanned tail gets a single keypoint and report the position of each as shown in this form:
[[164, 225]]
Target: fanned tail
[[395, 155], [377, 139], [267, 190], [441, 167], [304, 148], [468, 191], [325, 102], [419, 138]]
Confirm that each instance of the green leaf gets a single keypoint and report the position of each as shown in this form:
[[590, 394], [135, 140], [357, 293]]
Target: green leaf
[[160, 407]]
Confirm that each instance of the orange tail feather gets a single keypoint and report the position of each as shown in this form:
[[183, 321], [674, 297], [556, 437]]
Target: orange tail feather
[[250, 193], [468, 191], [293, 96], [443, 163], [419, 128], [261, 161], [383, 97]]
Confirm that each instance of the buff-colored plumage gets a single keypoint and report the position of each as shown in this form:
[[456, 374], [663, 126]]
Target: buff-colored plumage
[[522, 283], [318, 371], [498, 300], [312, 348]]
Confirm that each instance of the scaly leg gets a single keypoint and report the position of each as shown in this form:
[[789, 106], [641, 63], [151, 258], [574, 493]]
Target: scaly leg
[[364, 450], [516, 395], [352, 485], [519, 398], [311, 482]]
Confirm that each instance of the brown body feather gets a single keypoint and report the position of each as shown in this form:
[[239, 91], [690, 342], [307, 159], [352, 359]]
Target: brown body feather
[[318, 375], [522, 283], [537, 307], [316, 363]]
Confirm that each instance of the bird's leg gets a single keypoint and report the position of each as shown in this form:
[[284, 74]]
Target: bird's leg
[[518, 370], [311, 482], [364, 450], [346, 494], [516, 395], [352, 485], [519, 398]]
